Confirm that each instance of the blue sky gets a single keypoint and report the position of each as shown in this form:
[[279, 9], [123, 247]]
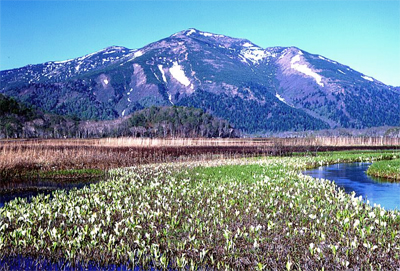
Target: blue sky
[[362, 34]]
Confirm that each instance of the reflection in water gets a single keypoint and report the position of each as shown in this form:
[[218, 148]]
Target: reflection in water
[[10, 190], [353, 177], [21, 263]]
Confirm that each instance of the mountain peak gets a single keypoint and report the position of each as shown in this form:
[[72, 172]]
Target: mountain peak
[[115, 47], [190, 31], [193, 31]]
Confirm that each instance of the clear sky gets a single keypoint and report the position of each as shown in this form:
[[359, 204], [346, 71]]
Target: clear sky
[[362, 34]]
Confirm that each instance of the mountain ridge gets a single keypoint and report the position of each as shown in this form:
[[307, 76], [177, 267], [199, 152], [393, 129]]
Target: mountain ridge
[[257, 89]]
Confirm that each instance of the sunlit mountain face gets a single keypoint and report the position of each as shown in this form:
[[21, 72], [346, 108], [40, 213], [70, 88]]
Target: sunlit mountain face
[[256, 89]]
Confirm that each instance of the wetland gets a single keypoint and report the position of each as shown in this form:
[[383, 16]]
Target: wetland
[[244, 213]]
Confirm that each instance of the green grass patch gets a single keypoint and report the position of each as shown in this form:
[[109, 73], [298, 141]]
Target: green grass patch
[[389, 169]]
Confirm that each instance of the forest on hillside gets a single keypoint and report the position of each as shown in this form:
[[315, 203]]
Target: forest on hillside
[[18, 120]]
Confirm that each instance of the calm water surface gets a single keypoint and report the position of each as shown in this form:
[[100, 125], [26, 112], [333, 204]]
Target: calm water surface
[[10, 190], [353, 177]]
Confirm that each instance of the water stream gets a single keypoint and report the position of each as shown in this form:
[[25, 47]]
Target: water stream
[[353, 177]]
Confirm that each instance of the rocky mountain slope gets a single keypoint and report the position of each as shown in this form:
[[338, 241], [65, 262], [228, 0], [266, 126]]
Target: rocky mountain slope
[[256, 89]]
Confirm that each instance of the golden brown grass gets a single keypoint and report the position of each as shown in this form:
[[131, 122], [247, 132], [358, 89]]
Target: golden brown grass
[[189, 142], [310, 141], [17, 157]]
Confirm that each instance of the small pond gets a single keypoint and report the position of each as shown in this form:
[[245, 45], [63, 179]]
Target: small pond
[[10, 190], [353, 177]]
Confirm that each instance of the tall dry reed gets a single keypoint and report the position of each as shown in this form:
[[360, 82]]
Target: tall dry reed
[[57, 154]]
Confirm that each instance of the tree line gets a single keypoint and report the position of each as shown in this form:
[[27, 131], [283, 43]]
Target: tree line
[[18, 120]]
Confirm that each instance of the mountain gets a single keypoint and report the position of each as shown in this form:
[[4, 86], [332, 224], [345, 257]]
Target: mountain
[[256, 89], [396, 89]]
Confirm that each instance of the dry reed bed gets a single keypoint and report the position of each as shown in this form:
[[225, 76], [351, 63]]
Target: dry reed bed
[[190, 142], [21, 157], [314, 141], [15, 161]]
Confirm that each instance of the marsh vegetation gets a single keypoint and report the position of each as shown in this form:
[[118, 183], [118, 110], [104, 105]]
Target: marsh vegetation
[[253, 213], [77, 158], [389, 169]]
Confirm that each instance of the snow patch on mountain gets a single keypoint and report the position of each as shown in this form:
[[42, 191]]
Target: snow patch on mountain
[[64, 61], [170, 98], [304, 69], [160, 67], [367, 78], [254, 54], [155, 74], [190, 32], [341, 71], [138, 53], [280, 98], [110, 52], [206, 34], [177, 72], [323, 58], [135, 54], [89, 55], [243, 59]]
